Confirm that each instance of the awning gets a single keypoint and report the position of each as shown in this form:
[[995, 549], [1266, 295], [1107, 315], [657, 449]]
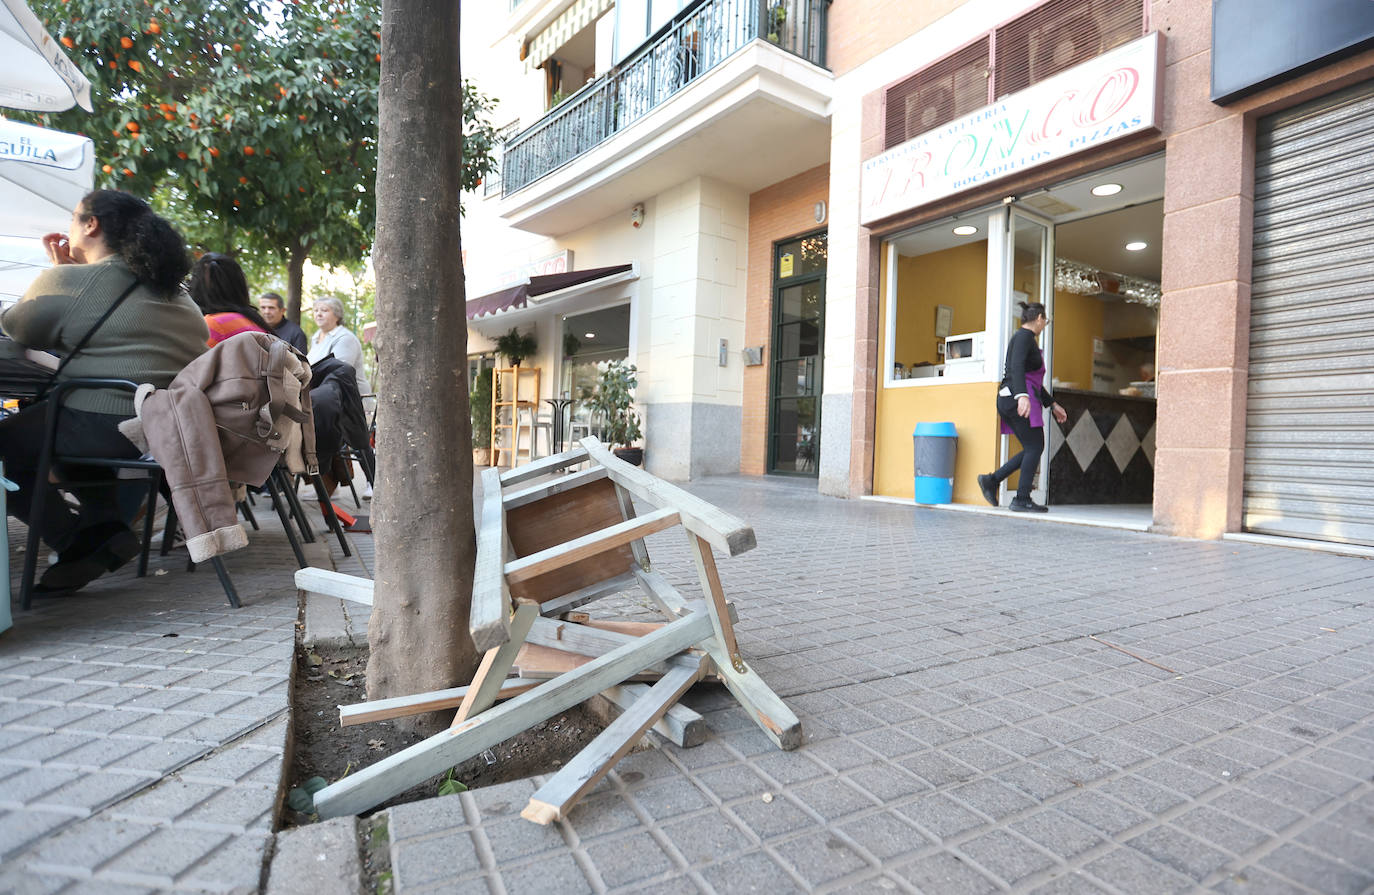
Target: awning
[[563, 29], [34, 72], [536, 289]]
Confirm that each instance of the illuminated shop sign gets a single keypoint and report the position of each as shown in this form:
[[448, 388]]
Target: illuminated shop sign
[[1112, 96]]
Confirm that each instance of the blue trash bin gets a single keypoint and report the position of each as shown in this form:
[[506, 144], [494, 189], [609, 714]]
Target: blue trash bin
[[933, 446]]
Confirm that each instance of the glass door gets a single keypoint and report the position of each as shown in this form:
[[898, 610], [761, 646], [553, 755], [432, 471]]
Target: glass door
[[794, 413], [1029, 277]]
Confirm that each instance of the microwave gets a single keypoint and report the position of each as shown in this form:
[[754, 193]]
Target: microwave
[[966, 348]]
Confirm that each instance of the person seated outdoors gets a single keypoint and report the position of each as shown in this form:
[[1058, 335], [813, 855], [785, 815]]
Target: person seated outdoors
[[117, 252], [333, 337], [220, 290], [273, 310]]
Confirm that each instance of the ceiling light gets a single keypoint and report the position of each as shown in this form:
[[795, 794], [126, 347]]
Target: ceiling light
[[965, 230], [589, 335], [1136, 246], [1106, 189]]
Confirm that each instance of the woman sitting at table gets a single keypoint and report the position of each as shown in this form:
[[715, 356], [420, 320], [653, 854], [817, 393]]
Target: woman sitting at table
[[117, 254], [220, 290]]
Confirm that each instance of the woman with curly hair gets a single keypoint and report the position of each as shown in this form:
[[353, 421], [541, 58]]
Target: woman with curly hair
[[121, 258]]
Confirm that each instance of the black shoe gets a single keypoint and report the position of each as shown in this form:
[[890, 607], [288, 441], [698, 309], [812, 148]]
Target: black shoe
[[96, 550], [1027, 506], [989, 486]]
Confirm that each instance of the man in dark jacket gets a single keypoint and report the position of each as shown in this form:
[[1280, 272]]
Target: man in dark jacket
[[273, 310]]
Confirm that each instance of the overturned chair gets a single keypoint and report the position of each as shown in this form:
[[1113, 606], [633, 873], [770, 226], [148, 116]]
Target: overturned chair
[[572, 539]]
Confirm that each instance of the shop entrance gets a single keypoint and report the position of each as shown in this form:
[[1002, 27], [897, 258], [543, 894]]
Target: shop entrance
[[794, 412]]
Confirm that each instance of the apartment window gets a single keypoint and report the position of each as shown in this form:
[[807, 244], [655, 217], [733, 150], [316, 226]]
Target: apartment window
[[637, 20], [1038, 45]]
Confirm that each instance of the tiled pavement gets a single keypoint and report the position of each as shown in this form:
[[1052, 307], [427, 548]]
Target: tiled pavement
[[971, 726]]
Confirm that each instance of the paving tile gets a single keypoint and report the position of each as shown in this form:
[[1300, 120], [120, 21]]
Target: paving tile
[[751, 872], [943, 872], [625, 860], [415, 862], [1318, 872], [1179, 851], [821, 857]]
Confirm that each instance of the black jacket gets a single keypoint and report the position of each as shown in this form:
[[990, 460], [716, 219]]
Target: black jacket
[[292, 334], [1023, 356], [338, 408]]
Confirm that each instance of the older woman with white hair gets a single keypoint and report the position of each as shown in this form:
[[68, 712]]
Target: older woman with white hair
[[332, 337]]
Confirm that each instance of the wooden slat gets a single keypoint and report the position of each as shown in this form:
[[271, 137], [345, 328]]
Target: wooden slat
[[542, 490], [569, 552], [715, 596], [576, 638], [554, 521], [670, 600], [767, 709], [370, 786], [627, 509], [335, 584], [544, 466], [418, 704], [680, 725], [554, 799], [728, 533], [542, 663], [491, 674], [489, 615], [582, 596]]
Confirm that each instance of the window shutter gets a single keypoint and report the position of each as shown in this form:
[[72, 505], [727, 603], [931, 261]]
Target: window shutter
[[1059, 35], [952, 87]]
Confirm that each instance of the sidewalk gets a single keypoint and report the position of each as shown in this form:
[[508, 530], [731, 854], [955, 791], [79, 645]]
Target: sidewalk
[[965, 731]]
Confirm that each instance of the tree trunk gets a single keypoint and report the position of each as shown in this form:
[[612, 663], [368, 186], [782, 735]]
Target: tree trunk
[[422, 514], [295, 279]]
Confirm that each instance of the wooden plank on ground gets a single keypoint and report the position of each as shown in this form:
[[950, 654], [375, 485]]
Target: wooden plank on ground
[[767, 709], [489, 614], [558, 519], [491, 674], [730, 533], [554, 799], [561, 604], [588, 545], [419, 703], [329, 583], [576, 638], [542, 490], [679, 725], [544, 466], [396, 773]]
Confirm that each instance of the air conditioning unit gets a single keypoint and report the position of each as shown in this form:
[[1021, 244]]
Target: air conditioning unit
[[929, 107], [1072, 37]]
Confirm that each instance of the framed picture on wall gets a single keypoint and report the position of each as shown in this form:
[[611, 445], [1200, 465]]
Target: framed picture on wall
[[944, 319]]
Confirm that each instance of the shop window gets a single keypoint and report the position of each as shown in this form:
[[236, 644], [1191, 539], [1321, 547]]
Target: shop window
[[941, 276], [591, 339]]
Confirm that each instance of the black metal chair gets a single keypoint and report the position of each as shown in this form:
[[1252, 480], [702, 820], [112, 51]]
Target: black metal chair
[[51, 461]]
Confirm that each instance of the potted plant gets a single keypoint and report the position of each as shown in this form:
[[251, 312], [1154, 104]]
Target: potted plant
[[516, 346], [612, 401], [479, 407], [776, 18]]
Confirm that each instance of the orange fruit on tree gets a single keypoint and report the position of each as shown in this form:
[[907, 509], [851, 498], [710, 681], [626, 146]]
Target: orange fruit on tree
[[181, 155], [379, 57], [243, 180], [301, 116], [107, 169], [166, 107], [132, 126], [169, 116], [126, 43], [154, 28], [238, 48], [68, 42], [128, 173], [248, 150], [113, 64], [135, 65], [214, 152]]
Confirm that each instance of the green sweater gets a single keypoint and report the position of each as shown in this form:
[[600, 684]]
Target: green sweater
[[148, 339]]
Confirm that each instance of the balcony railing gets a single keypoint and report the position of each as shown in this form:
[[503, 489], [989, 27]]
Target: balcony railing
[[700, 40]]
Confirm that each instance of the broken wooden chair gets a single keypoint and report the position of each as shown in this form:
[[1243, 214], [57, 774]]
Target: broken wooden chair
[[546, 546]]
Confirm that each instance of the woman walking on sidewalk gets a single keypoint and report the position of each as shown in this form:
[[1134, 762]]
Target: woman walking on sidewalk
[[1021, 402]]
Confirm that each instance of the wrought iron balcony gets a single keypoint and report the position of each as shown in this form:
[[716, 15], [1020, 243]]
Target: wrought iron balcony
[[701, 39]]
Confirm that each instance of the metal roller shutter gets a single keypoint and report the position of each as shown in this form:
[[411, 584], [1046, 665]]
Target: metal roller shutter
[[1309, 444]]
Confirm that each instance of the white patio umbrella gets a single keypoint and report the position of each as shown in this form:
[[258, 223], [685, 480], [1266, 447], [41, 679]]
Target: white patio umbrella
[[34, 72], [43, 174]]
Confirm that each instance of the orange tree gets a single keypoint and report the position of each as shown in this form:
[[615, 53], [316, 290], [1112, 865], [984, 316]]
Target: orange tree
[[254, 125]]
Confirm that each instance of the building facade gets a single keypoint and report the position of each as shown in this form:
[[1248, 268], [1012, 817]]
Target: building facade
[[832, 211]]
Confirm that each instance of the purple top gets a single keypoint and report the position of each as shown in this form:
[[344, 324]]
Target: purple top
[[1035, 382]]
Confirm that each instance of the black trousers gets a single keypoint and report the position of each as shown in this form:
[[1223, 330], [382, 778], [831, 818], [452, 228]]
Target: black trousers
[[1032, 440], [80, 433]]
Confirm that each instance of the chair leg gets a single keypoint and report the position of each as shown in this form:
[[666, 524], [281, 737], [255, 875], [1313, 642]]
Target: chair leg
[[287, 483], [327, 509], [228, 585], [348, 478], [31, 550], [279, 502], [247, 512], [154, 484]]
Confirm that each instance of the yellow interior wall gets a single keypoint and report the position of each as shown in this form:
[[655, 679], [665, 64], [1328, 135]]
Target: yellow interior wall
[[969, 405], [956, 277], [1077, 321]]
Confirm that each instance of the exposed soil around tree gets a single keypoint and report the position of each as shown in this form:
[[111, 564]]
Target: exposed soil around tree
[[325, 680]]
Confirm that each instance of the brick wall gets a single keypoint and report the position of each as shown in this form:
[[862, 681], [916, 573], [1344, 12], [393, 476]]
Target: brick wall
[[859, 31], [778, 212]]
